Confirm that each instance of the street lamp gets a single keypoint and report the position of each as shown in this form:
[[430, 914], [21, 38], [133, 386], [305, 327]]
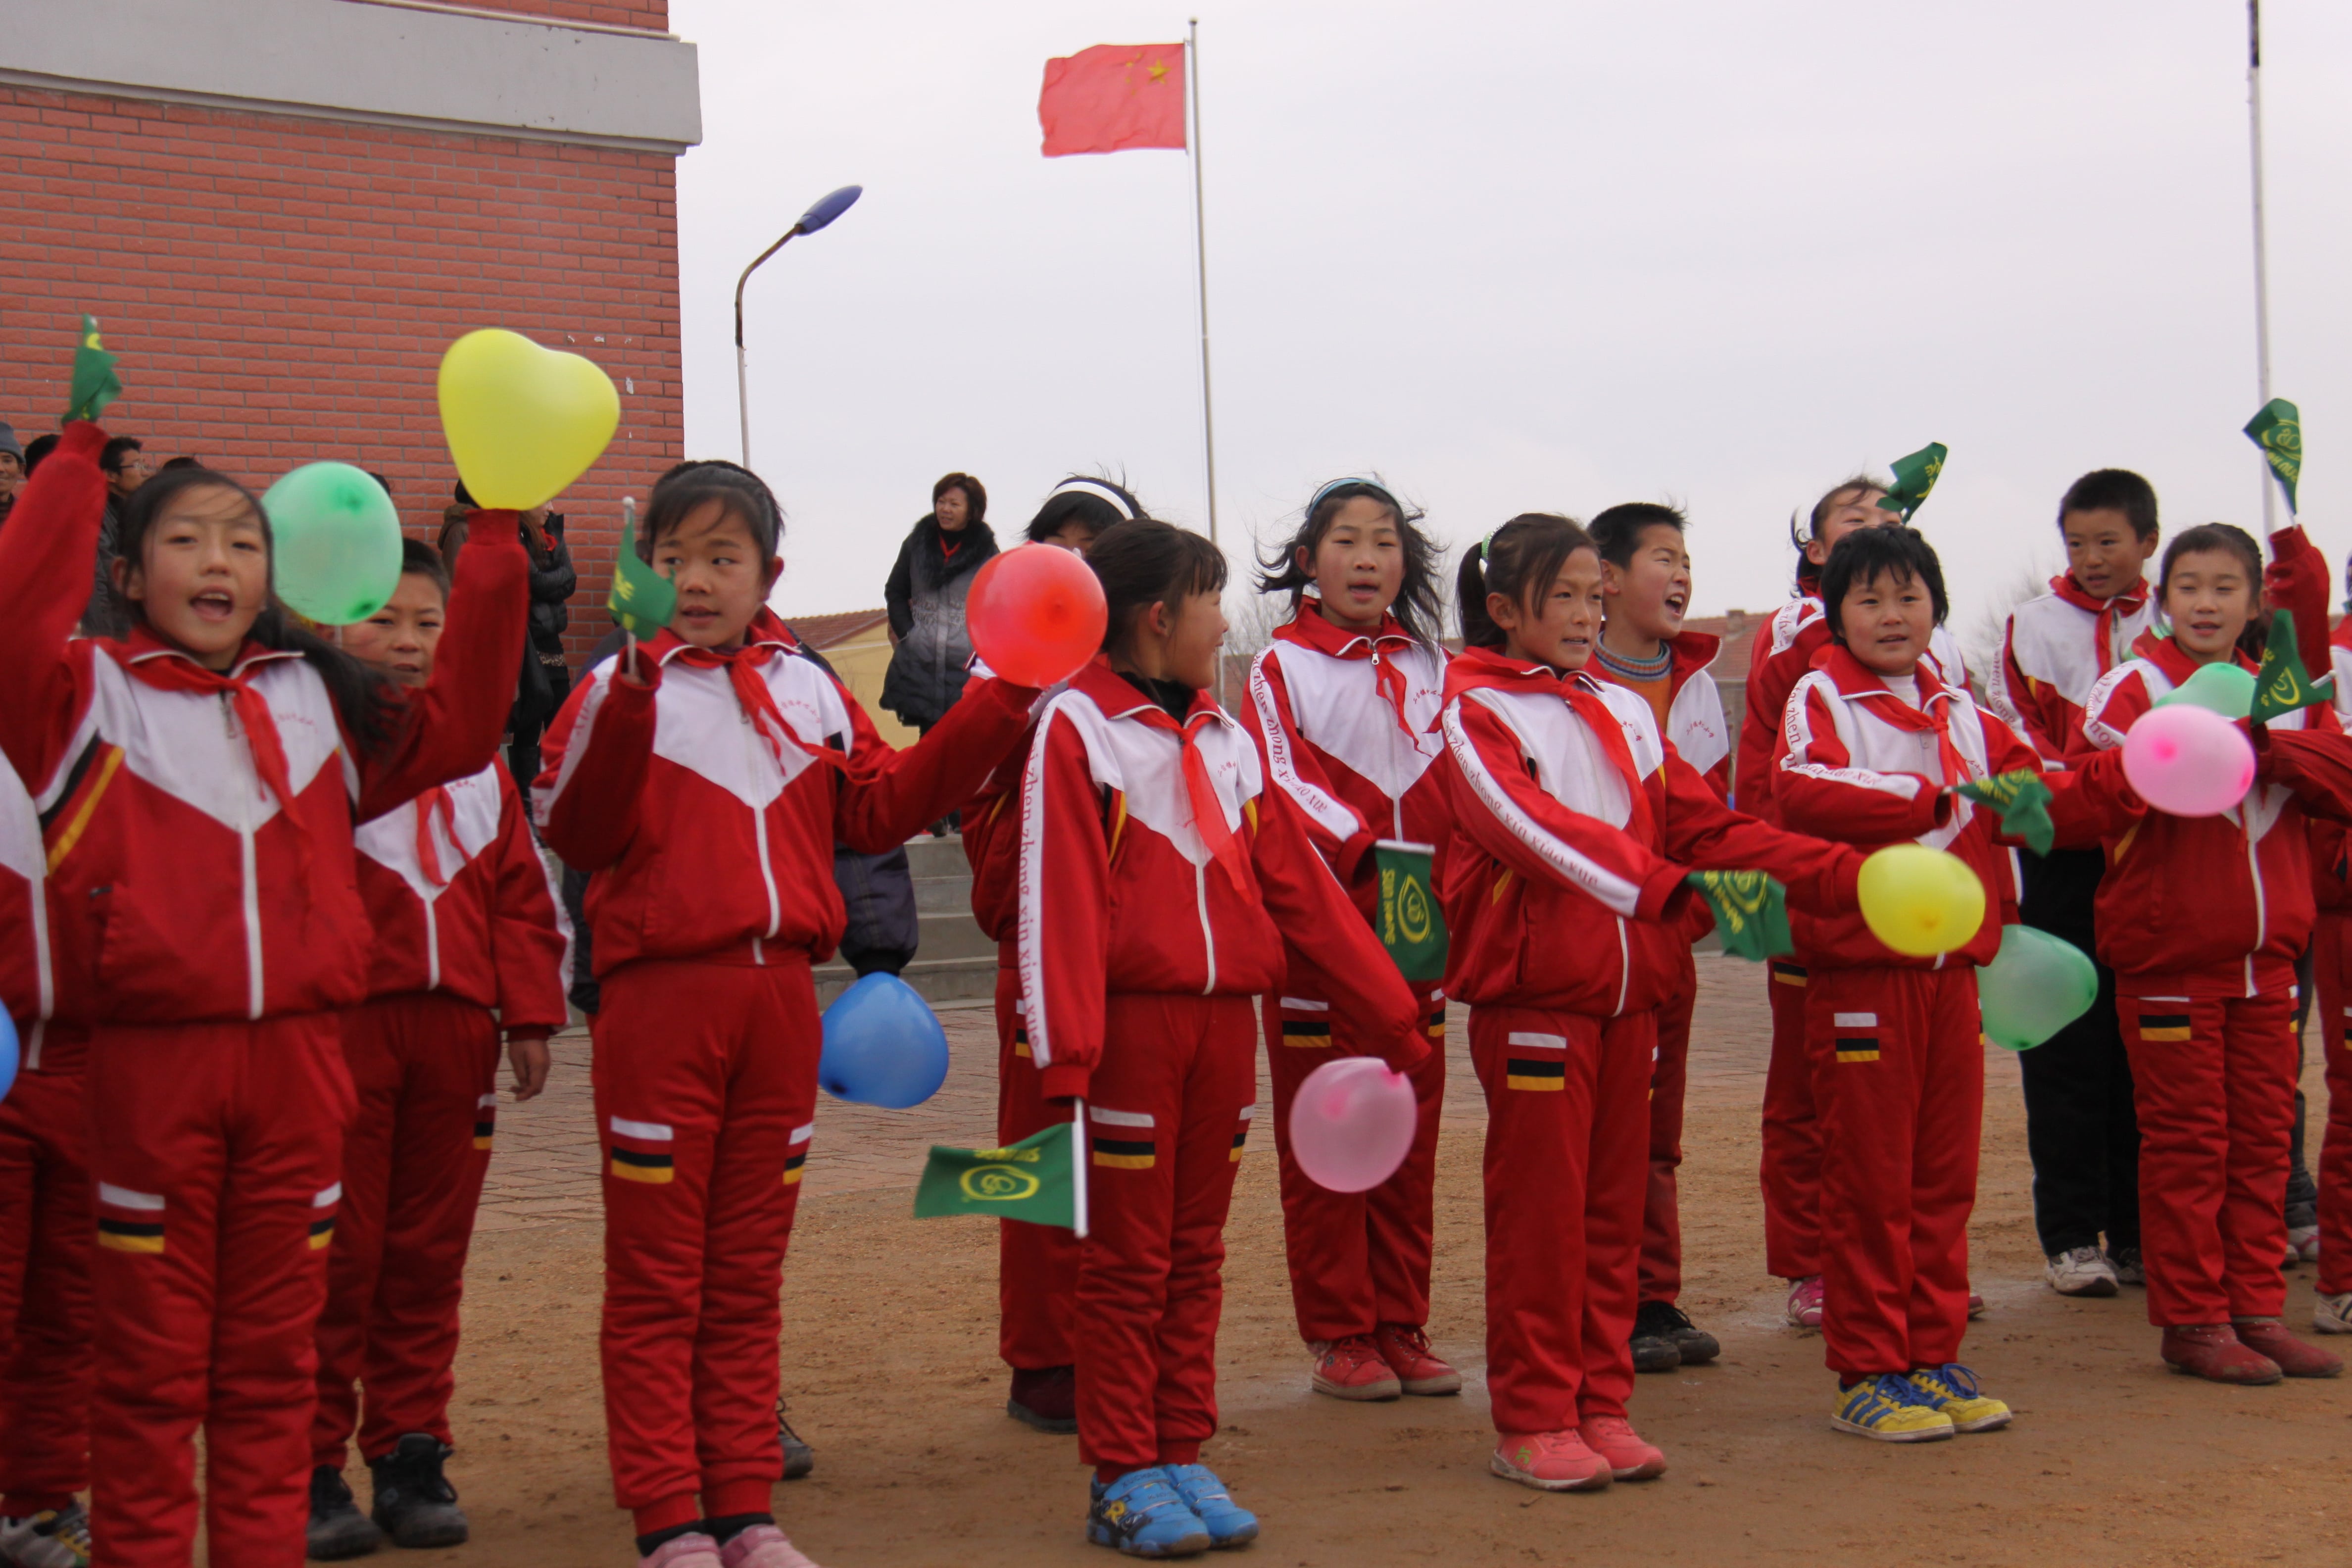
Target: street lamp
[[827, 208]]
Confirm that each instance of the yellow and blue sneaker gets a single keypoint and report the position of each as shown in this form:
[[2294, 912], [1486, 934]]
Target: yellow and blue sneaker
[[1227, 1522], [1891, 1408], [1952, 1389], [1142, 1516]]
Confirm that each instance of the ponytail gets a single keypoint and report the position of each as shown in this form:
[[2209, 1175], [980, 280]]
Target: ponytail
[[1518, 561]]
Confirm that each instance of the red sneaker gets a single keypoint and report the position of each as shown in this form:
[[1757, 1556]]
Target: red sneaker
[[1549, 1462], [1406, 1351], [1630, 1458], [2215, 1352], [1353, 1369], [1976, 1306], [2268, 1336], [1804, 1309]]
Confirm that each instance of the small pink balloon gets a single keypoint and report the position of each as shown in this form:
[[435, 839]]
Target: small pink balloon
[[1352, 1123], [2189, 760]]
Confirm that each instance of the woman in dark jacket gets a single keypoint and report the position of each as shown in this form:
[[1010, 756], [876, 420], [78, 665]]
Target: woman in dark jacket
[[926, 595]]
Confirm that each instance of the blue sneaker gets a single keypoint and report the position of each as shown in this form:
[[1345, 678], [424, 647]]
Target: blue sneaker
[[1141, 1515], [1228, 1524]]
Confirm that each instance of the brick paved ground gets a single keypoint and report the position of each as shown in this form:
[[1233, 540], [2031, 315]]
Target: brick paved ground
[[545, 1170]]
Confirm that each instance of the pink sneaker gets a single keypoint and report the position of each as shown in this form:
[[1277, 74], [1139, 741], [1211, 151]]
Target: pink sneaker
[[1549, 1462], [1418, 1368], [1976, 1306], [692, 1550], [1353, 1368], [762, 1546], [1630, 1458], [1805, 1302]]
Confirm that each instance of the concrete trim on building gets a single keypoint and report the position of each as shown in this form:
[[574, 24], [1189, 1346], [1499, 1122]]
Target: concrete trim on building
[[375, 64]]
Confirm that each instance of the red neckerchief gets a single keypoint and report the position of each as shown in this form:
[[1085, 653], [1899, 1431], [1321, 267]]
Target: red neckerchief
[[2170, 658], [433, 802], [167, 669], [1856, 679], [1119, 700], [2130, 602], [1308, 629], [1475, 667], [764, 639]]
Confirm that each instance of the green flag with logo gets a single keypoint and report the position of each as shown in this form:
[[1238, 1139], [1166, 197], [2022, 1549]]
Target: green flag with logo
[[2282, 686], [1914, 475], [1751, 912], [94, 385], [1034, 1180], [1412, 926], [641, 600], [2278, 431], [2023, 802]]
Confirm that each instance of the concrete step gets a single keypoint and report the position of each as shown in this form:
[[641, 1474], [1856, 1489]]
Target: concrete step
[[951, 934], [942, 895], [929, 856], [936, 980]]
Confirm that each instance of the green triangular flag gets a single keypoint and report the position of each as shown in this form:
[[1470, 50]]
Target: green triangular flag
[[1914, 475], [2023, 802], [2282, 685], [1033, 1180], [94, 385], [1410, 925], [642, 599], [2278, 431], [1751, 912]]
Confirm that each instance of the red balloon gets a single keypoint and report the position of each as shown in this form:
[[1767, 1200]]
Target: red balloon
[[1036, 614]]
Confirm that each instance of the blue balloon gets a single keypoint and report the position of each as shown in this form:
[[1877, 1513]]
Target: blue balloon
[[883, 1045], [7, 1053]]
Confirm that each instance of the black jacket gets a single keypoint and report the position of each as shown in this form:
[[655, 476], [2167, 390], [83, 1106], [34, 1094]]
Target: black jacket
[[552, 580], [925, 596]]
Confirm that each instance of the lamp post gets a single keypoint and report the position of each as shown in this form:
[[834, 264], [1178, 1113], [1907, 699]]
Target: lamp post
[[826, 209]]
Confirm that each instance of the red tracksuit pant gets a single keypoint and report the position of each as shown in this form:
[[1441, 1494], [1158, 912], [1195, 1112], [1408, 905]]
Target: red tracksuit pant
[[1898, 1074], [1167, 1113], [217, 1150], [2213, 1082], [1791, 1174], [705, 1100], [1037, 1265], [1661, 1226], [425, 1067], [2331, 968], [1357, 1259], [1567, 1143], [47, 1367]]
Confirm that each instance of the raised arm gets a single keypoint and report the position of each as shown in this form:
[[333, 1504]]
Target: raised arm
[[1065, 904], [45, 558], [1703, 832], [2296, 580], [886, 794]]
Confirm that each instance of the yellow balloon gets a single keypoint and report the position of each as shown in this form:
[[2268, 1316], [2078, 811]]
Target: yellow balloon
[[1921, 901], [522, 421]]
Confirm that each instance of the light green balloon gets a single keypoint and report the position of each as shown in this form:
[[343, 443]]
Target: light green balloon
[[2225, 687], [334, 543], [2035, 986]]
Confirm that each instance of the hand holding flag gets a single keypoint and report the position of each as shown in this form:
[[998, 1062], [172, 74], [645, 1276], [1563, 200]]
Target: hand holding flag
[[1914, 475], [2283, 686], [1751, 912], [1412, 926], [2023, 802], [94, 385], [1034, 1180], [2278, 431], [642, 599]]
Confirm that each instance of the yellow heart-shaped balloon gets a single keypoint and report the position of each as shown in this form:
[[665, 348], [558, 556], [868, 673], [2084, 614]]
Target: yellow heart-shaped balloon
[[522, 421]]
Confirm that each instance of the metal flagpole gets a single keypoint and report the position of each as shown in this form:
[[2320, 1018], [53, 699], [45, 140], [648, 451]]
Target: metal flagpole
[[2261, 253], [1200, 260]]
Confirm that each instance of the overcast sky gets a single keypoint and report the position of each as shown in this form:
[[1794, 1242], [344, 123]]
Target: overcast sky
[[1518, 256]]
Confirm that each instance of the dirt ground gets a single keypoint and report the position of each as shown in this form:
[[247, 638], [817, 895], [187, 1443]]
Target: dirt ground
[[891, 1372]]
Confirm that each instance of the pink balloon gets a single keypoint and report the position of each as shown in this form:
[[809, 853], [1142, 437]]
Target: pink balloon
[[2189, 760], [1352, 1123]]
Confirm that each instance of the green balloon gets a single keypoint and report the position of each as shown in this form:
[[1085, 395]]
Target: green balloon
[[2035, 986], [334, 543], [2225, 687]]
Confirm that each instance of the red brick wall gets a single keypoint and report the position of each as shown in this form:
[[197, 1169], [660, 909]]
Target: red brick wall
[[651, 15], [280, 290]]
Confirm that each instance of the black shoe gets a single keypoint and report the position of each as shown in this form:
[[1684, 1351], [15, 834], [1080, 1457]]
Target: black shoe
[[414, 1503], [1046, 1399], [1665, 1321], [1653, 1352], [338, 1528], [799, 1457]]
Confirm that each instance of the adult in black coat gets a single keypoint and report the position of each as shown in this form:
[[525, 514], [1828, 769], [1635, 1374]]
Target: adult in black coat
[[926, 598]]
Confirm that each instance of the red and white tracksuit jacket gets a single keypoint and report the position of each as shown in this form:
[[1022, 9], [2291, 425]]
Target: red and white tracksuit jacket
[[205, 922], [1790, 1171], [2055, 649], [708, 801], [1694, 724], [466, 921], [1345, 726], [2201, 919], [1895, 1042], [1575, 823], [1157, 876], [2331, 942]]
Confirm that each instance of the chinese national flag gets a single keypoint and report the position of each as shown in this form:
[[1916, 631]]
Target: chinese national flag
[[1114, 97]]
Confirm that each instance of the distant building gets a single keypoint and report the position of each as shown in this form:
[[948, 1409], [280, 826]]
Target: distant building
[[856, 643]]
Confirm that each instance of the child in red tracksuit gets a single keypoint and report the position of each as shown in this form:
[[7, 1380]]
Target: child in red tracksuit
[[2331, 944], [1158, 875], [465, 921], [705, 776], [1343, 704], [1646, 584], [1038, 1265], [46, 1223], [1575, 825], [200, 781], [2201, 919], [1871, 747]]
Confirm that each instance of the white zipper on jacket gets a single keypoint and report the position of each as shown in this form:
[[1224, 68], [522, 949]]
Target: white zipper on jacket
[[753, 742], [247, 865], [432, 946], [1625, 968], [1208, 936]]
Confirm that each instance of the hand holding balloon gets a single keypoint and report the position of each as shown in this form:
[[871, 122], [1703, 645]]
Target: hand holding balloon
[[334, 543], [1920, 902], [2188, 761], [1352, 1123], [883, 1045], [1037, 614]]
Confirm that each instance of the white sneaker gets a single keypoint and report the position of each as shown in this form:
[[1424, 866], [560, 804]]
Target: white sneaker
[[47, 1540], [2332, 1314], [2303, 1244], [2082, 1271]]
